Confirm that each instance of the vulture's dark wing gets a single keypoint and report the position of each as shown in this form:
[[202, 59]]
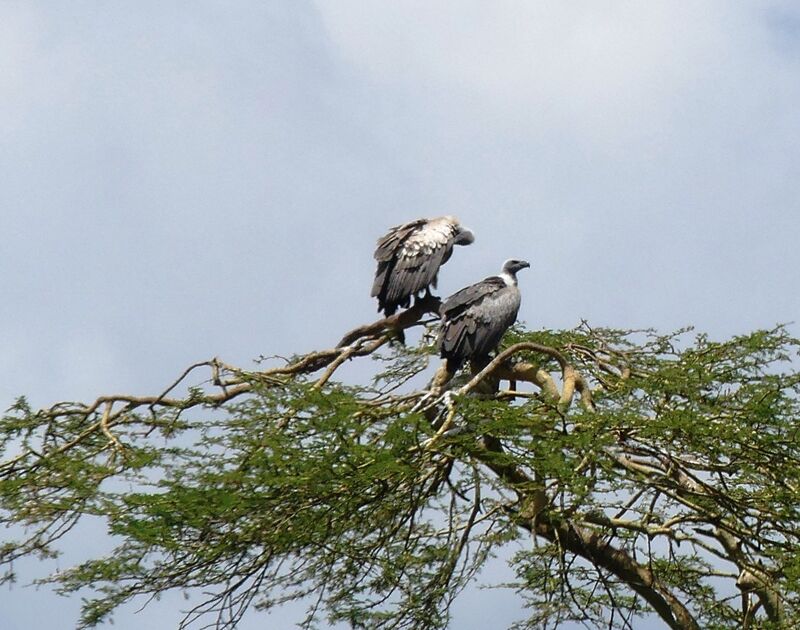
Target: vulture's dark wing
[[475, 319], [389, 244], [409, 257]]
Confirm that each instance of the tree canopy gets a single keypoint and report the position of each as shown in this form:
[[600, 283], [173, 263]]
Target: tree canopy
[[632, 473]]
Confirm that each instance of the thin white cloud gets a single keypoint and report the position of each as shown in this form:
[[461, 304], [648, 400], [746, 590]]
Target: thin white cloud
[[603, 70]]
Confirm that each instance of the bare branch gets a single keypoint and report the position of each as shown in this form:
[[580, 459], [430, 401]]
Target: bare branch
[[397, 322]]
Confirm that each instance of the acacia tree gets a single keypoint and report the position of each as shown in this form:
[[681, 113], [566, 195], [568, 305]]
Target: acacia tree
[[633, 473]]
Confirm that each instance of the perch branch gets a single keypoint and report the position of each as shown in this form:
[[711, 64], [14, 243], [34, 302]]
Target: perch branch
[[395, 323]]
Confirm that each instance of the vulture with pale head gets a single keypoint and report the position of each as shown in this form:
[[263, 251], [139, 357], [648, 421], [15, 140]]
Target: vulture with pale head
[[475, 318], [409, 257]]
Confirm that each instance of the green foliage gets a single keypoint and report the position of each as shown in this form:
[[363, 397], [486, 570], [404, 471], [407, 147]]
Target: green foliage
[[377, 504]]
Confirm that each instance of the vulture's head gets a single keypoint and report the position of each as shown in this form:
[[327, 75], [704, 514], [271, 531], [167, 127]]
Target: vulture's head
[[464, 236], [513, 265]]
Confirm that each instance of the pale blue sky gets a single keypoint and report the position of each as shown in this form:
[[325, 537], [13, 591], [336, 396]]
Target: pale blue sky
[[180, 180]]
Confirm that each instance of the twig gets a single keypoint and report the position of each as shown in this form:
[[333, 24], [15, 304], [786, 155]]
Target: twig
[[104, 426], [346, 353]]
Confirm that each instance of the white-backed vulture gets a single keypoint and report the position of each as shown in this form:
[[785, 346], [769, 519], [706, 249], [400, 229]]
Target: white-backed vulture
[[475, 318], [409, 257]]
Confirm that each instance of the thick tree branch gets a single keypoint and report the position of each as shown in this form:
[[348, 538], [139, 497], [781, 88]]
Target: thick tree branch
[[588, 544], [592, 546], [429, 304]]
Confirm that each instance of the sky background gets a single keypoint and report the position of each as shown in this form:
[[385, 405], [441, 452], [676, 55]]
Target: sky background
[[182, 180]]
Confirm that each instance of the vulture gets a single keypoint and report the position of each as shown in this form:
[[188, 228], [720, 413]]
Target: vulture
[[475, 318], [409, 257]]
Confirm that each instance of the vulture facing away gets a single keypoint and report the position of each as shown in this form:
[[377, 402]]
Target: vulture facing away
[[475, 318], [409, 257]]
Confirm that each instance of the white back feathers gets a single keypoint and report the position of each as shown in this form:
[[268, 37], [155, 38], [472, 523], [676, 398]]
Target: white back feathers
[[409, 257]]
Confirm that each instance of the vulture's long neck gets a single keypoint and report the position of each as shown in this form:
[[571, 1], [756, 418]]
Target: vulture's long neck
[[509, 278]]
